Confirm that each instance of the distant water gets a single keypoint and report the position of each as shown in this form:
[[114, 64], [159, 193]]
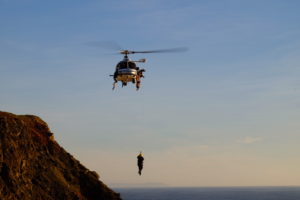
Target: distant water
[[211, 193]]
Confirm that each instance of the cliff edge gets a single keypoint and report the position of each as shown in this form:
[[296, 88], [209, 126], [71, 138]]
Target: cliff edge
[[34, 167]]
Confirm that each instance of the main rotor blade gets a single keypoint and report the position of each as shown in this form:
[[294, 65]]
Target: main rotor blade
[[173, 50]]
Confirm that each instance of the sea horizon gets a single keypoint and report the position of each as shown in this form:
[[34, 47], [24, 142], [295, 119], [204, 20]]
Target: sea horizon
[[211, 193], [250, 186]]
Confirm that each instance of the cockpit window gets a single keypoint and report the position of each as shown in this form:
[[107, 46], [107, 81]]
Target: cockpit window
[[123, 65], [132, 65]]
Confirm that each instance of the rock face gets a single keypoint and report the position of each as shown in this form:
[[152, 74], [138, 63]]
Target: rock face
[[34, 167]]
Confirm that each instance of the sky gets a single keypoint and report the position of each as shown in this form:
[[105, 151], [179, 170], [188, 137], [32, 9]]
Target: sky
[[224, 113]]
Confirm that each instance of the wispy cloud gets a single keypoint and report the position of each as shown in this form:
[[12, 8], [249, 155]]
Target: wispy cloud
[[249, 140]]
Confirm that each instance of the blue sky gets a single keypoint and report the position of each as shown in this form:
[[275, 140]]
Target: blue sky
[[226, 112]]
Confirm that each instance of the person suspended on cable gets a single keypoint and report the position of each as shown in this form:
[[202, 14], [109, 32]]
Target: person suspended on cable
[[140, 162]]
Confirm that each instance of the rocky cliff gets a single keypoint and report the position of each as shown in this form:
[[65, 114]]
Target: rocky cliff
[[34, 167]]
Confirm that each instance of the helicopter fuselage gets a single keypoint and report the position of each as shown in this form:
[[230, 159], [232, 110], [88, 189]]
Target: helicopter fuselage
[[127, 71]]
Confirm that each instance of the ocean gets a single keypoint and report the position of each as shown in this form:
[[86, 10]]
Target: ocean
[[211, 193]]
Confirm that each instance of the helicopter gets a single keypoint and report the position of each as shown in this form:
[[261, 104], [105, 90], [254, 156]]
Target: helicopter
[[127, 71]]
